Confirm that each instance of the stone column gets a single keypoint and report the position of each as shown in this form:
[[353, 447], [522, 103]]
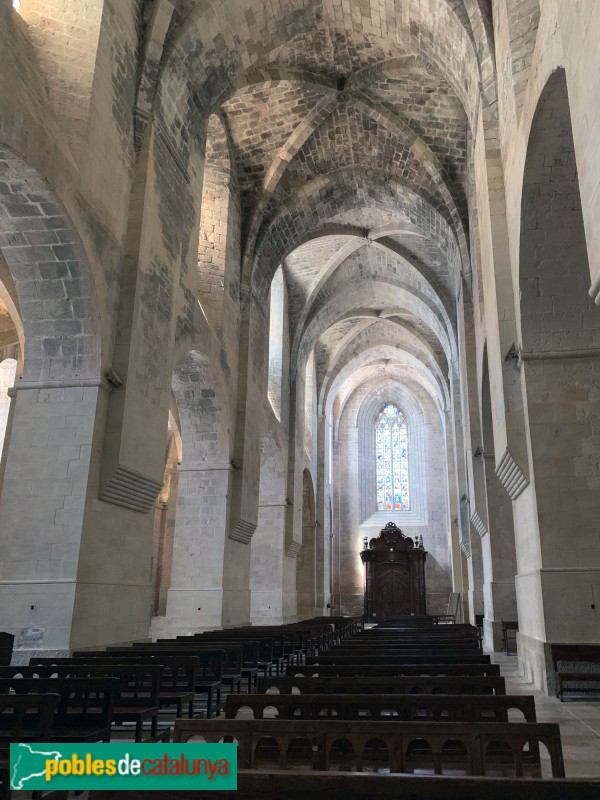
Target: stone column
[[266, 568], [471, 545], [306, 565], [42, 509], [499, 547], [195, 597]]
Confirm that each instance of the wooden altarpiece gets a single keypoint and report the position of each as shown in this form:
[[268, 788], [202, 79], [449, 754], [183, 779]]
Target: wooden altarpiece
[[394, 575]]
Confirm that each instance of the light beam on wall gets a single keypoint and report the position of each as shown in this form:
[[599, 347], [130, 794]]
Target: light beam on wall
[[16, 5]]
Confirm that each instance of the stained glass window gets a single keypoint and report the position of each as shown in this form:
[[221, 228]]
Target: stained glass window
[[391, 451]]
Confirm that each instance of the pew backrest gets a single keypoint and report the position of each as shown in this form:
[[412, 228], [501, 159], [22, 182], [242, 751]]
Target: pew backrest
[[417, 684], [390, 707], [387, 670], [478, 740], [27, 717], [82, 701]]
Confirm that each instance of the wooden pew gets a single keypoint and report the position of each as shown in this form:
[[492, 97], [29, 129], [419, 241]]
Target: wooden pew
[[396, 641], [24, 718], [248, 668], [270, 652], [269, 785], [454, 632], [407, 657], [397, 650], [209, 670], [475, 748], [508, 627], [84, 711], [418, 684], [388, 670], [305, 639], [139, 689], [178, 679], [572, 656], [283, 643], [421, 621], [429, 629], [388, 707]]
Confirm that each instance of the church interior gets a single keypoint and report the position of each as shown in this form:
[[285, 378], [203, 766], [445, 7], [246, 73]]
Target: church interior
[[300, 362]]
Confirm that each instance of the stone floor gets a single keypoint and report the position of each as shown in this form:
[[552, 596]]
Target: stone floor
[[579, 722]]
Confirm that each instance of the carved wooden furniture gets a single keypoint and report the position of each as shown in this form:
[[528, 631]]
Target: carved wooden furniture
[[509, 627], [85, 709], [367, 684], [136, 702], [408, 657], [392, 670], [474, 748], [387, 707], [570, 656], [395, 576]]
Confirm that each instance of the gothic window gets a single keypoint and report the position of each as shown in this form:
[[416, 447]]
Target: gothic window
[[309, 386], [391, 453], [276, 342]]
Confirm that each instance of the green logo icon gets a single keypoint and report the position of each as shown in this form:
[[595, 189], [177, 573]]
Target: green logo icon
[[123, 766]]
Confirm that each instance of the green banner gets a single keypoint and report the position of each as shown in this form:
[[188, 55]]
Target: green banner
[[123, 766]]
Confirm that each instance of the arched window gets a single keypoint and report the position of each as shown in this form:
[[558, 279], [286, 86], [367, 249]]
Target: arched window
[[276, 342], [309, 388], [391, 453]]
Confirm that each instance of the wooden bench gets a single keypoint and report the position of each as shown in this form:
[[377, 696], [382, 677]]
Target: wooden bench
[[509, 626], [418, 684], [304, 639], [85, 708], [431, 641], [401, 707], [475, 748], [422, 621], [24, 718], [408, 657], [270, 649], [455, 632], [139, 689], [209, 669], [390, 650], [285, 645], [388, 670], [269, 785], [178, 679], [575, 656], [248, 667]]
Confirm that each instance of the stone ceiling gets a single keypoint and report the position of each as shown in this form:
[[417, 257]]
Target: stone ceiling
[[349, 139]]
